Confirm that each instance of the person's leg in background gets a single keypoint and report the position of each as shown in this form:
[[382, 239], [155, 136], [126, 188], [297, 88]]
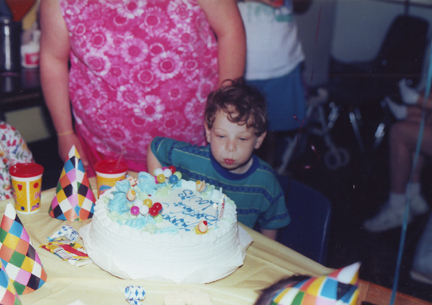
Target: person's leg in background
[[403, 141]]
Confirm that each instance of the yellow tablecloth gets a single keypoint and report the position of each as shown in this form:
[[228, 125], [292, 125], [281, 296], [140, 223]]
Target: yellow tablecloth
[[266, 262]]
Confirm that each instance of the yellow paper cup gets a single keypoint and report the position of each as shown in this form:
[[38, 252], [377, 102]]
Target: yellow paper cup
[[26, 185], [108, 172]]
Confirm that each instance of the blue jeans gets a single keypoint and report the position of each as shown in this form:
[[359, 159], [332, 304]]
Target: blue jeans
[[423, 256]]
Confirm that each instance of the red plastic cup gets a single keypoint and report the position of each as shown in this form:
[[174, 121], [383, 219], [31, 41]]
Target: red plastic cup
[[108, 172], [26, 184]]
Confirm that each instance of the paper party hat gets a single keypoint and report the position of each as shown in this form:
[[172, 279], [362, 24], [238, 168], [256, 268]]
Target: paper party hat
[[74, 199], [338, 288], [21, 261], [8, 294]]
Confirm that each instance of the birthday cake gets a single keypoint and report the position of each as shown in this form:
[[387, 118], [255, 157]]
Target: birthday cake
[[165, 229]]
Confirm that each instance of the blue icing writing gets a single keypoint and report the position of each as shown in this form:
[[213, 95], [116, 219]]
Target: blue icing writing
[[187, 217], [189, 196], [185, 194], [188, 211], [178, 222]]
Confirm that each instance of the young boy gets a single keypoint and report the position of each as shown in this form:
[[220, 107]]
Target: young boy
[[235, 125]]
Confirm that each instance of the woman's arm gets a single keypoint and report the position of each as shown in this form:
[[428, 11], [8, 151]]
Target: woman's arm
[[269, 233], [54, 72], [152, 161], [225, 20]]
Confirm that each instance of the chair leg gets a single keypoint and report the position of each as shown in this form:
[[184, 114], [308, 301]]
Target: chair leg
[[288, 153], [379, 135], [353, 120]]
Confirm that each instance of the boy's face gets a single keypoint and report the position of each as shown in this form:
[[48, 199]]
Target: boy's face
[[232, 144]]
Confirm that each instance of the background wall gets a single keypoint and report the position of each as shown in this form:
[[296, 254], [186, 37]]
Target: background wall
[[360, 26], [349, 30], [315, 29]]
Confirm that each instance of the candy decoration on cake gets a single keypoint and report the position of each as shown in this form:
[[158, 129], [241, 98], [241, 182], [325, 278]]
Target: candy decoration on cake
[[201, 186], [144, 207], [339, 287], [74, 199], [134, 294], [21, 261], [201, 228], [167, 175], [8, 294]]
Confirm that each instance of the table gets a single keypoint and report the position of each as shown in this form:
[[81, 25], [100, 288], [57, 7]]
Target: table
[[266, 262]]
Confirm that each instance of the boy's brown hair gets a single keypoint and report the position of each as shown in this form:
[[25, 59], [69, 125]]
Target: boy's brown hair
[[248, 105]]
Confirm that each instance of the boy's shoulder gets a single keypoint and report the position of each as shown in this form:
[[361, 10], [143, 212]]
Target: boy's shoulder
[[264, 168], [158, 141], [169, 146], [265, 175]]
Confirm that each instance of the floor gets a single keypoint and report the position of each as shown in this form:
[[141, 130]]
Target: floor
[[355, 191]]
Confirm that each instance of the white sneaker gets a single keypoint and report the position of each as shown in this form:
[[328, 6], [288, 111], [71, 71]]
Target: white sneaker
[[418, 206], [388, 218], [421, 277]]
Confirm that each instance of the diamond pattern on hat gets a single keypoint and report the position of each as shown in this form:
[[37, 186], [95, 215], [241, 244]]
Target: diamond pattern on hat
[[74, 198], [8, 294], [339, 287], [21, 261]]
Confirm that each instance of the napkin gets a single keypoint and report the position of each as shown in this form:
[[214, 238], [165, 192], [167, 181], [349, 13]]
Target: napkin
[[22, 263], [8, 294], [339, 287], [74, 199]]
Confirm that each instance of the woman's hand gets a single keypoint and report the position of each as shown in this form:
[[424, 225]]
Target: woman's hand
[[65, 143]]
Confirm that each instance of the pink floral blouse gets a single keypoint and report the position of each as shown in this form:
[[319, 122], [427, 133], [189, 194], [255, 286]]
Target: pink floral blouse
[[139, 69]]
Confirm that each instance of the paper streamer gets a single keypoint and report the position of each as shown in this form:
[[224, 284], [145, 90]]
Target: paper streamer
[[134, 294]]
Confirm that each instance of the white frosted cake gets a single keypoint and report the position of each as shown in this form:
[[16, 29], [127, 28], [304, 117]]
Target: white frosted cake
[[142, 229]]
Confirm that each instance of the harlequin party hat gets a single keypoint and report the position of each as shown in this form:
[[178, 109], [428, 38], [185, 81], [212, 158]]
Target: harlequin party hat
[[21, 261], [338, 288], [74, 199], [8, 294]]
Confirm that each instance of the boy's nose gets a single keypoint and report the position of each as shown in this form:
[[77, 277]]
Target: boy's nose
[[231, 146]]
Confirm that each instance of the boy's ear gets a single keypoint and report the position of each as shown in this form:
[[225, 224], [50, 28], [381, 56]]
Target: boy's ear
[[260, 140], [207, 132]]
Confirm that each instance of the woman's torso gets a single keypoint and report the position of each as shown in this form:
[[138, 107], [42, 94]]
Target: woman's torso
[[139, 69]]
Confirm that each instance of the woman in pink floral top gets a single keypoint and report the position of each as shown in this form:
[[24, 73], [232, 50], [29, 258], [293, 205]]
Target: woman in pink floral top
[[138, 69], [17, 150]]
